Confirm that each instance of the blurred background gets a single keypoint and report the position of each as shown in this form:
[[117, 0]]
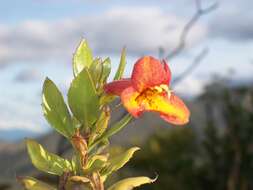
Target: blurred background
[[208, 45]]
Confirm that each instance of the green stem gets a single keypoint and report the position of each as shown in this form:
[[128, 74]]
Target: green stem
[[114, 129]]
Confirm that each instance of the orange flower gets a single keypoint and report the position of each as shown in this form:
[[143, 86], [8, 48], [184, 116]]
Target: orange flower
[[148, 90]]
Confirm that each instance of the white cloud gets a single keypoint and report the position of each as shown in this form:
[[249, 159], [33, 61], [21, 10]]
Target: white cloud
[[191, 86], [142, 30], [21, 124]]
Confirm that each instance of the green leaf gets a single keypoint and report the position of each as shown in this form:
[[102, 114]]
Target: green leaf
[[82, 57], [102, 146], [106, 70], [101, 124], [111, 131], [30, 183], [100, 70], [130, 183], [94, 158], [76, 164], [106, 99], [83, 99], [118, 161], [95, 163], [122, 65], [96, 70], [55, 110], [45, 161]]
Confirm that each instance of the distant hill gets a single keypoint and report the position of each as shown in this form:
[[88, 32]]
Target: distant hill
[[14, 160], [13, 135]]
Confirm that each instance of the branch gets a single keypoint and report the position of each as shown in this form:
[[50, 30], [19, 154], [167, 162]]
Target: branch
[[197, 60], [189, 25]]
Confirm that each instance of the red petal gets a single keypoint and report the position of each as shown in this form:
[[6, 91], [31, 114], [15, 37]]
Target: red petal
[[167, 70], [149, 72], [128, 98], [116, 87]]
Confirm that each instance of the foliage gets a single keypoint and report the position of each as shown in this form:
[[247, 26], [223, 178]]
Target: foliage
[[172, 154], [84, 122]]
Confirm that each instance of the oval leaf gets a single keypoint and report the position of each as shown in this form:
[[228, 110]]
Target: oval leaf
[[96, 70], [130, 183], [45, 161], [95, 163], [83, 99], [101, 125], [55, 109], [118, 161], [82, 57], [30, 183]]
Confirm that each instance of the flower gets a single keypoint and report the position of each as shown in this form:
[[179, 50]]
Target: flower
[[148, 90]]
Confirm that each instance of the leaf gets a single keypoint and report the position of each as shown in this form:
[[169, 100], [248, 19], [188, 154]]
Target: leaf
[[95, 163], [55, 110], [80, 179], [106, 70], [77, 182], [76, 164], [118, 161], [82, 57], [130, 183], [96, 70], [122, 65], [30, 183], [106, 99], [83, 99], [100, 70], [45, 161], [102, 146], [111, 131], [94, 158], [101, 124]]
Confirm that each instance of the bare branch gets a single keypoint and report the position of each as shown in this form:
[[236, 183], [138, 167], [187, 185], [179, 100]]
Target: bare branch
[[189, 25], [197, 60]]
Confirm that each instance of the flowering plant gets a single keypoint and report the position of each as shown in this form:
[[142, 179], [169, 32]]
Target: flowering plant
[[84, 122]]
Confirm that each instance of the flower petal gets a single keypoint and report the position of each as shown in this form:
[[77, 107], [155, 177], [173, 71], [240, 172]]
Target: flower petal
[[167, 71], [183, 112], [128, 98], [149, 72], [116, 87], [172, 109]]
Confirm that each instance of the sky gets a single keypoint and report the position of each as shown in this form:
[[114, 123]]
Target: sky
[[38, 38]]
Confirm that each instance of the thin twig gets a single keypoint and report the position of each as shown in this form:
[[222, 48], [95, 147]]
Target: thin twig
[[189, 25], [197, 60]]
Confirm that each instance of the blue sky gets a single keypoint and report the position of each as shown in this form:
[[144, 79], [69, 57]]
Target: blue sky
[[38, 37]]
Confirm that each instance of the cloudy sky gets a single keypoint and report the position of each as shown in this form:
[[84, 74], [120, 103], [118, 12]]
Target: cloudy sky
[[38, 37]]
